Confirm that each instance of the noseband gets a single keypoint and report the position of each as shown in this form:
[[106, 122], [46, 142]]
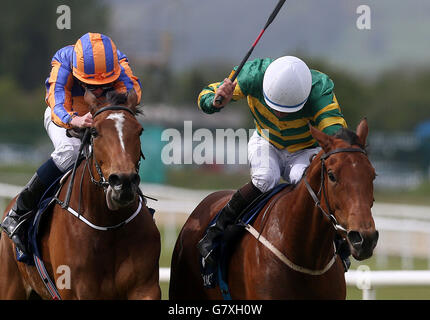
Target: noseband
[[322, 189]]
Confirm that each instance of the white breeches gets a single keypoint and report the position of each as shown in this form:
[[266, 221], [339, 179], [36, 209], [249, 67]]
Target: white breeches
[[65, 149], [268, 163]]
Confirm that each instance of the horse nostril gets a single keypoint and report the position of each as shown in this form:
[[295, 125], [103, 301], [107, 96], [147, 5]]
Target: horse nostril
[[114, 181], [123, 181], [374, 238], [355, 239]]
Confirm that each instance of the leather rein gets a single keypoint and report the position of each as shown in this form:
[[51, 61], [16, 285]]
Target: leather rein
[[322, 190]]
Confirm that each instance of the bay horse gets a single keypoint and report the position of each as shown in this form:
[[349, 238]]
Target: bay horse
[[115, 254], [289, 252]]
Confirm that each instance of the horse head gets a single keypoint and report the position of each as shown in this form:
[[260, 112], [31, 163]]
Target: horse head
[[116, 145], [347, 184]]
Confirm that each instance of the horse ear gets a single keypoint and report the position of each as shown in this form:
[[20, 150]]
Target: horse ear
[[132, 100], [362, 131], [324, 140], [91, 100]]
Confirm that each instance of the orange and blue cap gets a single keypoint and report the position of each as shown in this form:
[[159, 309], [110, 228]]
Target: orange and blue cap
[[95, 59]]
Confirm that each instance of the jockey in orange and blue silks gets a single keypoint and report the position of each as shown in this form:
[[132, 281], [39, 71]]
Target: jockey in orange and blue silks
[[93, 61], [94, 64]]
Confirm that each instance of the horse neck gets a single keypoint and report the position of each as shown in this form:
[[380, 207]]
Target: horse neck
[[306, 233]]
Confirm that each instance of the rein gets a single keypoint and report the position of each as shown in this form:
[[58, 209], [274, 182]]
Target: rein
[[88, 140], [322, 189]]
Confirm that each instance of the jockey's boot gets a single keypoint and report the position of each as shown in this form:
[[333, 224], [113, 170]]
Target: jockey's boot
[[228, 215], [27, 201]]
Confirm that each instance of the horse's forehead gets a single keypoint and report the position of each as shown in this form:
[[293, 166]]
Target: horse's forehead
[[117, 118], [347, 161]]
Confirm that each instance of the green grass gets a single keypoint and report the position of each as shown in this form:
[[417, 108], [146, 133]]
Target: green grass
[[16, 174], [419, 196]]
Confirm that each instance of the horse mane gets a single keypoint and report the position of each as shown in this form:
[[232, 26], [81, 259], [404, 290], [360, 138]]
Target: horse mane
[[118, 98], [350, 137]]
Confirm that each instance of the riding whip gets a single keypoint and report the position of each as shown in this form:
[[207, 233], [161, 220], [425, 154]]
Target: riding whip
[[269, 21]]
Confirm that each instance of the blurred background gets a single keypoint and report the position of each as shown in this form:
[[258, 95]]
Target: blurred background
[[176, 47]]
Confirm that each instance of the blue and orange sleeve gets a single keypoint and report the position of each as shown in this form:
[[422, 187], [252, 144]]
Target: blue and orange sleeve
[[59, 96], [127, 80]]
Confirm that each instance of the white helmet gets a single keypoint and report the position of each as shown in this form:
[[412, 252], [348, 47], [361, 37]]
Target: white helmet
[[287, 84]]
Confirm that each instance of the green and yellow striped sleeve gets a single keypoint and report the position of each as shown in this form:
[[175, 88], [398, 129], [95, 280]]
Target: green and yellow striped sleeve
[[326, 113], [206, 96]]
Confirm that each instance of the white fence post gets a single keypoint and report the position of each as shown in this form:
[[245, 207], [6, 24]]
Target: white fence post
[[369, 294]]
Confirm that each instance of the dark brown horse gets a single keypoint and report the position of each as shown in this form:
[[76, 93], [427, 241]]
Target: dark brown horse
[[120, 262], [290, 254]]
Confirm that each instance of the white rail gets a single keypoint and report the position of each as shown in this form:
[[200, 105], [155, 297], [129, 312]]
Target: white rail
[[367, 280]]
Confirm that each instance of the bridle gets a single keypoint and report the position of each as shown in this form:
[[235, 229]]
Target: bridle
[[88, 141], [102, 182], [322, 190]]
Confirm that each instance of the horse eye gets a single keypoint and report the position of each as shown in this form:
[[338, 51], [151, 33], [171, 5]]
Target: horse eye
[[331, 176]]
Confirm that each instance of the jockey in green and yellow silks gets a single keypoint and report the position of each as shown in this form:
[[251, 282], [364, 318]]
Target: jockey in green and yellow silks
[[290, 131], [284, 97]]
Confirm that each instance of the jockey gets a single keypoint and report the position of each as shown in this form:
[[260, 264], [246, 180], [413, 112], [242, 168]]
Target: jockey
[[284, 96], [94, 64]]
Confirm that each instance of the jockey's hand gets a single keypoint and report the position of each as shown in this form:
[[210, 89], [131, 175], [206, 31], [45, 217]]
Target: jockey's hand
[[82, 122], [226, 91]]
